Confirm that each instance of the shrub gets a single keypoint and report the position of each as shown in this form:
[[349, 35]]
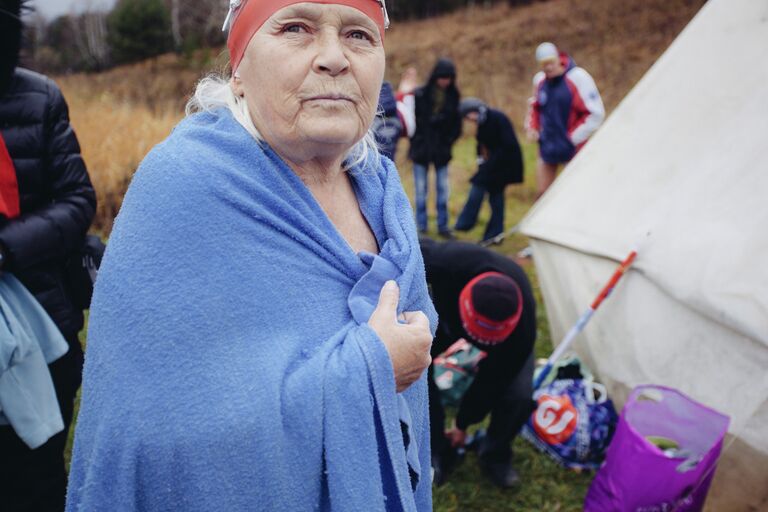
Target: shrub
[[139, 29]]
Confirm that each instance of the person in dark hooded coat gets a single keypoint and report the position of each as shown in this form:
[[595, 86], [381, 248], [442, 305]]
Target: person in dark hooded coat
[[438, 125], [500, 164], [43, 169]]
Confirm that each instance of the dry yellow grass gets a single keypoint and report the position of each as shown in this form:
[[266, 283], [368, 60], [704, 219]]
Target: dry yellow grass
[[119, 115], [115, 135]]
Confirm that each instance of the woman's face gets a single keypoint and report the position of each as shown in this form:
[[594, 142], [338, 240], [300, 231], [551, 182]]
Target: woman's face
[[311, 77]]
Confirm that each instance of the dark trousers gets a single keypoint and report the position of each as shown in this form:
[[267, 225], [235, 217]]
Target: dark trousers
[[36, 480], [468, 216], [512, 408]]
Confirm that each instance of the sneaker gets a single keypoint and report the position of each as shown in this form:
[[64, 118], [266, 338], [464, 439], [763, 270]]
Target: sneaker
[[526, 253], [494, 240], [501, 474]]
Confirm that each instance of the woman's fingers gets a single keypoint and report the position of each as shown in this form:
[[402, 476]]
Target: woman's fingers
[[418, 322], [416, 318], [408, 343], [386, 309]]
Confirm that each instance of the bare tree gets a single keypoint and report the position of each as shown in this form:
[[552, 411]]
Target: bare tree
[[197, 22], [175, 25], [90, 33]]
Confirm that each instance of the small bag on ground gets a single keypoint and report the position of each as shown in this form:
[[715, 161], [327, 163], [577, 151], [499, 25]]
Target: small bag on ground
[[573, 422]]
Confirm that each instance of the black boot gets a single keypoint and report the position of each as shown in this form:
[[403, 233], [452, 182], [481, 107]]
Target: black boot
[[495, 464], [443, 463], [501, 474]]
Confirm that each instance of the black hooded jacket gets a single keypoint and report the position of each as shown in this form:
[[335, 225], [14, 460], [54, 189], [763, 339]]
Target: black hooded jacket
[[436, 131], [56, 197], [497, 142]]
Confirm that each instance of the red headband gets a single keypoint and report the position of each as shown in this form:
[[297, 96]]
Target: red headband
[[481, 328], [251, 16]]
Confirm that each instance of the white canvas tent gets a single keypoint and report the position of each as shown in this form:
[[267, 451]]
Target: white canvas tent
[[683, 158]]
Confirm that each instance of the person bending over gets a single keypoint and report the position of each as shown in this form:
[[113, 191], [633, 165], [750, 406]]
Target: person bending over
[[485, 298]]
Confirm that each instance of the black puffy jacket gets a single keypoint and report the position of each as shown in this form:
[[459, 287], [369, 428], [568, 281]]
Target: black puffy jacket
[[56, 197]]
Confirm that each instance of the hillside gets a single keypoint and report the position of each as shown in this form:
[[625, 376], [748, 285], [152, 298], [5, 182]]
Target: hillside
[[493, 48], [120, 114]]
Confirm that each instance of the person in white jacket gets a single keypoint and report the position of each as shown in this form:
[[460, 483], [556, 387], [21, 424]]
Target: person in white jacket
[[564, 111]]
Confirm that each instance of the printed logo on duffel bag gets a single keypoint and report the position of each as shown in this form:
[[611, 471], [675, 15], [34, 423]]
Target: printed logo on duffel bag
[[555, 419]]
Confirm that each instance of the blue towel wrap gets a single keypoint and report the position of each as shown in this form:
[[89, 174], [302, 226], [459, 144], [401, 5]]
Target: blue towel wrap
[[229, 362]]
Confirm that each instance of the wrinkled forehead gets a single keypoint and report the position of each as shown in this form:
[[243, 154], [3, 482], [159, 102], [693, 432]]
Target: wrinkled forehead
[[317, 13], [245, 18]]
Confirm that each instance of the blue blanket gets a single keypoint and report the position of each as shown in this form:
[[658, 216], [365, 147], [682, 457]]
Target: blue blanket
[[229, 365]]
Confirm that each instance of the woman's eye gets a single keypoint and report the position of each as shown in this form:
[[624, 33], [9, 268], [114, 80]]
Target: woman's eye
[[359, 34], [295, 28]]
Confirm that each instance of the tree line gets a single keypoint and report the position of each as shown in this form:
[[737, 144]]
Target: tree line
[[135, 30]]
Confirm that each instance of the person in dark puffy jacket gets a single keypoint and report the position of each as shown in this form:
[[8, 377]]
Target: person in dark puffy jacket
[[57, 204], [500, 164], [438, 125]]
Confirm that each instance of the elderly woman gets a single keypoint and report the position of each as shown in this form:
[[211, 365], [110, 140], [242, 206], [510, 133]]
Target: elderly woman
[[261, 324]]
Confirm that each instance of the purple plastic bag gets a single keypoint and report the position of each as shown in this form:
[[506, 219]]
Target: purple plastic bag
[[638, 476]]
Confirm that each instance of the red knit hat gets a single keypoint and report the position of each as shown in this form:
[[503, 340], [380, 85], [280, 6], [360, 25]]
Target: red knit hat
[[490, 306]]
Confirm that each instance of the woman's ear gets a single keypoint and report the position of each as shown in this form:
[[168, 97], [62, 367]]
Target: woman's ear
[[237, 84]]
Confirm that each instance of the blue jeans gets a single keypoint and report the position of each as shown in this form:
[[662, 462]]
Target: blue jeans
[[421, 186], [468, 217]]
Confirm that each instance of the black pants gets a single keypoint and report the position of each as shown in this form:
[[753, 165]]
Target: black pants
[[512, 408], [36, 480]]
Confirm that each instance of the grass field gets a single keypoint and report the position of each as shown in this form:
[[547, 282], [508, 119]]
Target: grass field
[[119, 115]]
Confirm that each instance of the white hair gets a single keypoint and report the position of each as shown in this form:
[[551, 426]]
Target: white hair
[[214, 92]]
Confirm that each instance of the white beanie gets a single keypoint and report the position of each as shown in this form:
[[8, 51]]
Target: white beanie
[[546, 51]]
